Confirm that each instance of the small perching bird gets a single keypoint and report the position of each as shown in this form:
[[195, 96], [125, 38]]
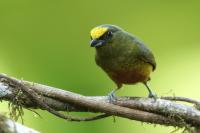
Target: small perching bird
[[122, 56]]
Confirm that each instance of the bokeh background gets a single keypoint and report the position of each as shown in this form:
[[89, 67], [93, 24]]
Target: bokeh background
[[47, 42]]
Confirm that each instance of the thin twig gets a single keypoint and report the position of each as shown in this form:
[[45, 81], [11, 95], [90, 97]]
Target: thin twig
[[183, 99]]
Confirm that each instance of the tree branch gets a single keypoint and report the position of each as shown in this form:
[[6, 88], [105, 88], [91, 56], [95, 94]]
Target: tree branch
[[164, 110], [9, 126]]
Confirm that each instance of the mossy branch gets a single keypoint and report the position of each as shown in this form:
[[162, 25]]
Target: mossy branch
[[164, 111]]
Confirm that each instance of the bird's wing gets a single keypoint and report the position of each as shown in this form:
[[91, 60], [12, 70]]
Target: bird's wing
[[149, 58], [145, 54]]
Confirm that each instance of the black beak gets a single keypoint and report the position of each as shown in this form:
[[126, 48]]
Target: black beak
[[94, 42], [97, 43]]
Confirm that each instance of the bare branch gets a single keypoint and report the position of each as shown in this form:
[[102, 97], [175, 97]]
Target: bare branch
[[164, 111]]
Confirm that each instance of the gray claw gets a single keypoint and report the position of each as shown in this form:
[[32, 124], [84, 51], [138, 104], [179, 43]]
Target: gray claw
[[112, 98], [152, 95]]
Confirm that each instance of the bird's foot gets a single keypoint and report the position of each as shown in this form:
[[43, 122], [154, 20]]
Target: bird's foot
[[152, 95], [111, 97]]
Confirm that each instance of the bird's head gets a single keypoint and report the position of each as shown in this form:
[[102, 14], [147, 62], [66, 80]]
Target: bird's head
[[103, 35]]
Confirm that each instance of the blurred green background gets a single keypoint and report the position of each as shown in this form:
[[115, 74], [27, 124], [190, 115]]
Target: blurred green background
[[47, 42]]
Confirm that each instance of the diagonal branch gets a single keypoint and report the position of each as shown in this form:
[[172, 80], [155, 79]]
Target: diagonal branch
[[164, 111]]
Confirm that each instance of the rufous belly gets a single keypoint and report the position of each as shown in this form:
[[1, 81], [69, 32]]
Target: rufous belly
[[139, 74]]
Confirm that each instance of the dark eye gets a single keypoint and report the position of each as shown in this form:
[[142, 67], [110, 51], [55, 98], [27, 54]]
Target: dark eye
[[109, 34], [106, 36]]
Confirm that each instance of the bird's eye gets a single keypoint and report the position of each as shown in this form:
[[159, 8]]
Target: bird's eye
[[91, 37], [106, 36], [109, 34]]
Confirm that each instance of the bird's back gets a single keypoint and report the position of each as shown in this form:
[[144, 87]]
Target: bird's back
[[145, 53]]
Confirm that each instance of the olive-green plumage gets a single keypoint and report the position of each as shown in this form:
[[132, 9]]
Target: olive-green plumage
[[122, 56]]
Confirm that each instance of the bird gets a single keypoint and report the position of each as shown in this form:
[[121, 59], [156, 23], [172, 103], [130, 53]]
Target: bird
[[124, 58]]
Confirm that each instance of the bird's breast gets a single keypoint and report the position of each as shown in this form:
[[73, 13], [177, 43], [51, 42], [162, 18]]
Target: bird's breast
[[125, 70]]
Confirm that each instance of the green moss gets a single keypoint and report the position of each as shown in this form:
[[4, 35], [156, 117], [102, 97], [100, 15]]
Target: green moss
[[15, 106]]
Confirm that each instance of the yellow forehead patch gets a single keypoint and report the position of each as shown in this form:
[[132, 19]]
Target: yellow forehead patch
[[98, 32]]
